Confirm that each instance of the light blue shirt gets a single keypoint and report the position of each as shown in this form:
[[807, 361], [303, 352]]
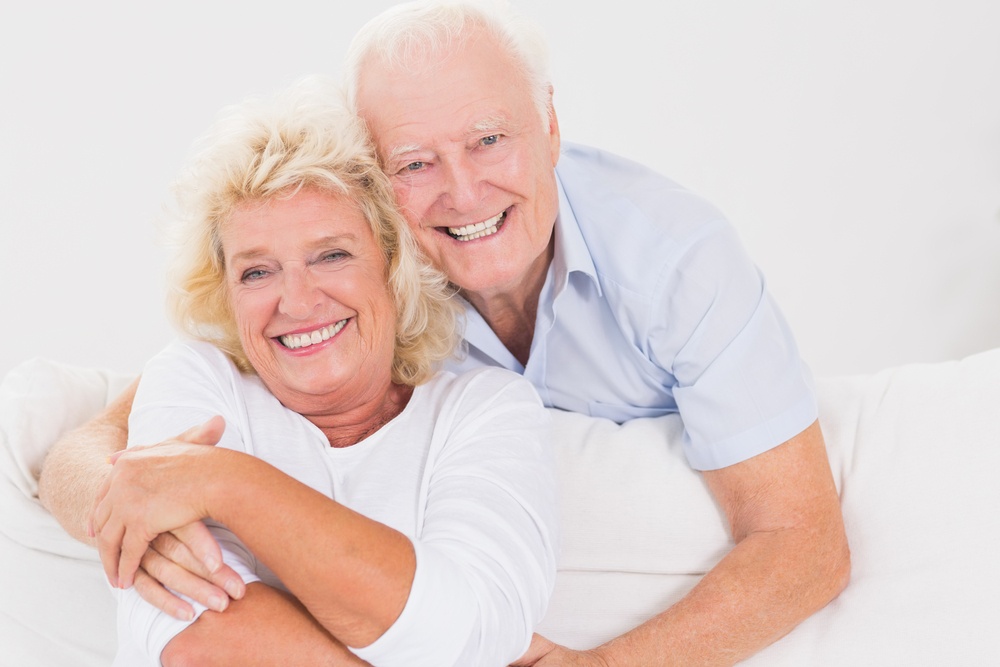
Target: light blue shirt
[[652, 306]]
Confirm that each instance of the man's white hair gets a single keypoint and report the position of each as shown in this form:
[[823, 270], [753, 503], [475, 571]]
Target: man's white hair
[[404, 34]]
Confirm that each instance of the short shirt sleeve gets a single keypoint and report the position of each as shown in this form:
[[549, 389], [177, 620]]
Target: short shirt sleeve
[[741, 386]]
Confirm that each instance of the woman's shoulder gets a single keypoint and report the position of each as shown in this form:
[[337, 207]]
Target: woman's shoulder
[[479, 386], [483, 378], [188, 352], [194, 364]]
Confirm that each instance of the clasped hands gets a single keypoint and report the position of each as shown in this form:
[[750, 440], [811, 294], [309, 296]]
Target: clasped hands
[[147, 521]]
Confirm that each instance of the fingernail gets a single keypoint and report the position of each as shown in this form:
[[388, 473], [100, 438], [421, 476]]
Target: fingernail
[[234, 589], [212, 563], [218, 602], [184, 614]]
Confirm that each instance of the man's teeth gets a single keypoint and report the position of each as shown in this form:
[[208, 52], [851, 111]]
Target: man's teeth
[[295, 341], [478, 230]]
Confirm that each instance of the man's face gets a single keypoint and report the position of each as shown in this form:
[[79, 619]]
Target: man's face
[[471, 162]]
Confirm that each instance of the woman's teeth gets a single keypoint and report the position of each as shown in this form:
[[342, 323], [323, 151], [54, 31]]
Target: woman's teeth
[[295, 341], [478, 230]]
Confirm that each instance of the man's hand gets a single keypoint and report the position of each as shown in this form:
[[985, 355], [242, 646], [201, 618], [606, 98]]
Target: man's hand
[[77, 465], [170, 563], [545, 653], [791, 558], [152, 490]]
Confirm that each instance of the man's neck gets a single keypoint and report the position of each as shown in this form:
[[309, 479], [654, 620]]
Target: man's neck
[[511, 312]]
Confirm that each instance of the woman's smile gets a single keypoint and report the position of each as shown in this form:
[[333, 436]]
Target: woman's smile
[[297, 341], [307, 288]]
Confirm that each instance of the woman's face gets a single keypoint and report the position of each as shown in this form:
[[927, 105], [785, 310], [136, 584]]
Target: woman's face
[[307, 285]]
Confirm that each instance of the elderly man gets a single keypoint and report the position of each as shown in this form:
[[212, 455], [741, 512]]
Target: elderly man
[[617, 293]]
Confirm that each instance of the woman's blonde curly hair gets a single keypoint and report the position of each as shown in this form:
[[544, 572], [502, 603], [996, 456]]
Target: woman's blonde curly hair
[[266, 148]]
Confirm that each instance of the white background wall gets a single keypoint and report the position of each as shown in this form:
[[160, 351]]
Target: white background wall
[[855, 145]]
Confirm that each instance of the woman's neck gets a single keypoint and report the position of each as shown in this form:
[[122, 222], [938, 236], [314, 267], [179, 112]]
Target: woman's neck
[[344, 428]]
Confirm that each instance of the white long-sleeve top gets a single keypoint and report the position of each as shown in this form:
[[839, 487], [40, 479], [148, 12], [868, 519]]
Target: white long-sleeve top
[[465, 471]]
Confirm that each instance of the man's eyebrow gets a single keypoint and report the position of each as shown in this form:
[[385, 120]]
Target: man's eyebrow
[[489, 124], [397, 152]]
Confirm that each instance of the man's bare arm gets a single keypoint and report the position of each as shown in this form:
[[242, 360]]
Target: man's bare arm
[[791, 558], [77, 465]]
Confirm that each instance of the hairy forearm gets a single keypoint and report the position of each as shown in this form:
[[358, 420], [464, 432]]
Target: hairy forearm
[[77, 464], [266, 627], [763, 588], [791, 558]]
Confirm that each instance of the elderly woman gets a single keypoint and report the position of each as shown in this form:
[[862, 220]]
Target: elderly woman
[[405, 516]]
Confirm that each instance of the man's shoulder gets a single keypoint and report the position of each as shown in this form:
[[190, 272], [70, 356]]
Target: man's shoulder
[[588, 163], [631, 216], [618, 194]]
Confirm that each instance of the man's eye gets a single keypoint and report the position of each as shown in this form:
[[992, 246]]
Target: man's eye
[[414, 166], [490, 140]]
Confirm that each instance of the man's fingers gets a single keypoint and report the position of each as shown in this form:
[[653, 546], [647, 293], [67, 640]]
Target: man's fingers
[[538, 649], [171, 546], [155, 594], [167, 545], [207, 433], [159, 573], [199, 541]]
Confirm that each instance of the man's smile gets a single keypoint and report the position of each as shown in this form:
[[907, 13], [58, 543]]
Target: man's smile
[[479, 229]]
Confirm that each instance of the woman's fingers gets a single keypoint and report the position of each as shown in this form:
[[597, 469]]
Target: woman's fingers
[[134, 546], [150, 490], [206, 433], [109, 539]]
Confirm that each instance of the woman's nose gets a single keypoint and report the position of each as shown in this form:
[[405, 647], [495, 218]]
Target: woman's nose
[[300, 295]]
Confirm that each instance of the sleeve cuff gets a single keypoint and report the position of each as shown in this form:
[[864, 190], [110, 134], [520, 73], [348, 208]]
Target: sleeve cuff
[[434, 626]]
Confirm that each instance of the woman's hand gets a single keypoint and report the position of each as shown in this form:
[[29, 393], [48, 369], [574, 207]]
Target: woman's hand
[[153, 490]]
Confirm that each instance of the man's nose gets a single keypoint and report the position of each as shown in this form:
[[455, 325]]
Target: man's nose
[[462, 180], [300, 296]]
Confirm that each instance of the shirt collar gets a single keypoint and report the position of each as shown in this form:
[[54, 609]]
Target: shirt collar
[[570, 255], [571, 252]]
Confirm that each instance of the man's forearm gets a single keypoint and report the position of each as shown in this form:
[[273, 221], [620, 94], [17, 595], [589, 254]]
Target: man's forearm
[[765, 587], [77, 465], [791, 558]]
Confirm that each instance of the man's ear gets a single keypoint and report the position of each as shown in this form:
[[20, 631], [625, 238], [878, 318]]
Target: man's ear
[[554, 137]]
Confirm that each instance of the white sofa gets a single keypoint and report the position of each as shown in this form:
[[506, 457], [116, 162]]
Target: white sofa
[[915, 451]]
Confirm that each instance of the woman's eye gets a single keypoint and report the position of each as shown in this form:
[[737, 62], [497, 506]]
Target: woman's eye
[[334, 256], [251, 275]]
